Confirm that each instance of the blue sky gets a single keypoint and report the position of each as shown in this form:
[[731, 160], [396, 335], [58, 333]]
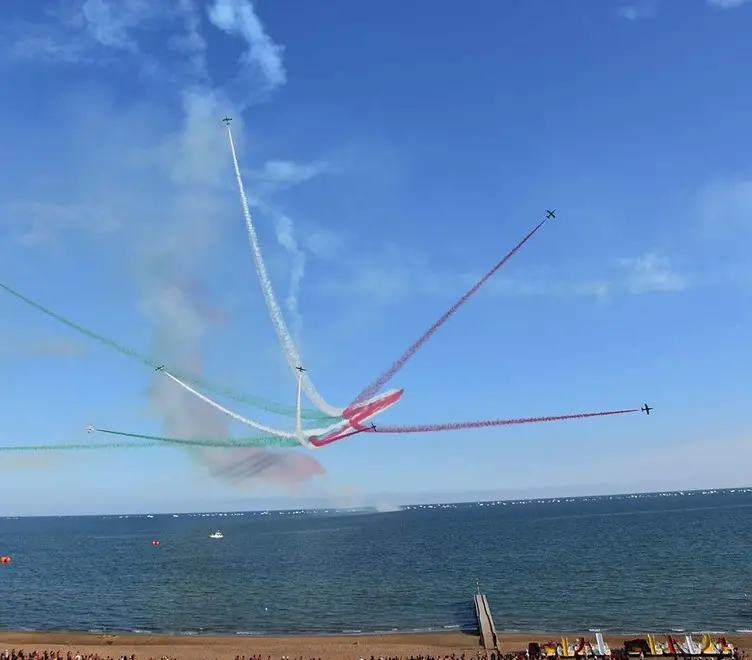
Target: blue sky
[[393, 152]]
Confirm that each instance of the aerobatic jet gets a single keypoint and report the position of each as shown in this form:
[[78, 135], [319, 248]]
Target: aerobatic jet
[[159, 368], [550, 214], [646, 409], [227, 120]]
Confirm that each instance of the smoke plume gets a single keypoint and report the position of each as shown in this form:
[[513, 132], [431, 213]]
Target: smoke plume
[[197, 160]]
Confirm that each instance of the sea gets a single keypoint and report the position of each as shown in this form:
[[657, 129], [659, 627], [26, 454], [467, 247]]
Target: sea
[[634, 563]]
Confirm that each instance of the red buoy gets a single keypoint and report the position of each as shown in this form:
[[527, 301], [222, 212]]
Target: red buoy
[[155, 542], [5, 559]]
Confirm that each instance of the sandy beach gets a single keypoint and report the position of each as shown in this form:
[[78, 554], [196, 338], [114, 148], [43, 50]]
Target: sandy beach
[[335, 648]]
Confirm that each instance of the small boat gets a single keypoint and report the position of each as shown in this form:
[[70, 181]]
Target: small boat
[[216, 535]]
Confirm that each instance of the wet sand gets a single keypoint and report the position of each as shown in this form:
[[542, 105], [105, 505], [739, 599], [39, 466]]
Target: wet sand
[[353, 647]]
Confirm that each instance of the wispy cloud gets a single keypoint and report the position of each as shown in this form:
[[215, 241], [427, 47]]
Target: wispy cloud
[[651, 272], [727, 205], [111, 24], [323, 243], [14, 346], [238, 18], [393, 276], [727, 4], [89, 32], [285, 231], [278, 175], [103, 31], [36, 223], [636, 12]]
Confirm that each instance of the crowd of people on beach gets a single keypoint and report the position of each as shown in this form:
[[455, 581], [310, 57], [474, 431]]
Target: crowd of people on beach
[[20, 654]]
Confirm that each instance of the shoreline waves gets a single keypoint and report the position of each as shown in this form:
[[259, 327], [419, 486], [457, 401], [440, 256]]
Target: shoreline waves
[[465, 632], [335, 647]]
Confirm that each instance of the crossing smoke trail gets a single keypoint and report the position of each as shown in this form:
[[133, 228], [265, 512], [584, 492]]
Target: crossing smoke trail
[[283, 334], [280, 433], [220, 390], [382, 380], [182, 418]]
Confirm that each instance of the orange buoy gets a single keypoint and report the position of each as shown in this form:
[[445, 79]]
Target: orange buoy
[[5, 560]]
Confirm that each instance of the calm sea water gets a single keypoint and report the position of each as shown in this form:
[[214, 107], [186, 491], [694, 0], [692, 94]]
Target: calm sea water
[[681, 562]]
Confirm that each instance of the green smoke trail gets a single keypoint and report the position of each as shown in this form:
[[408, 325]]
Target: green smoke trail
[[258, 402], [82, 446], [250, 441], [153, 441]]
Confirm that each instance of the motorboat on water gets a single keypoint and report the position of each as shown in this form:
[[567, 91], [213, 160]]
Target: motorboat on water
[[217, 535]]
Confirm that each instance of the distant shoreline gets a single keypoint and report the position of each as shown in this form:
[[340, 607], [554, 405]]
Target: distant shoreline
[[466, 499]]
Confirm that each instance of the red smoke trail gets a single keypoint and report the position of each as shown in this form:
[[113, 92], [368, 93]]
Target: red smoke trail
[[382, 380], [455, 426]]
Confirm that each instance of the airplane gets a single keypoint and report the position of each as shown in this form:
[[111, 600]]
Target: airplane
[[300, 369], [369, 429], [227, 120], [550, 214], [90, 429], [646, 409], [159, 368]]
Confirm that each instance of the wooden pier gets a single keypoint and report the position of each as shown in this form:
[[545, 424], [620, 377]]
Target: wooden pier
[[485, 622]]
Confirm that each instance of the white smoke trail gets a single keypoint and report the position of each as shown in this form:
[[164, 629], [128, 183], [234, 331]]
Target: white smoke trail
[[298, 418], [258, 426], [283, 334]]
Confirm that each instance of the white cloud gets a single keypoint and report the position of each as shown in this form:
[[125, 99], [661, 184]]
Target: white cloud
[[635, 12], [37, 223], [392, 275], [104, 33], [37, 44], [323, 243], [192, 42], [285, 231], [727, 4], [15, 346], [651, 272], [288, 172], [727, 204], [238, 18], [110, 24], [277, 176]]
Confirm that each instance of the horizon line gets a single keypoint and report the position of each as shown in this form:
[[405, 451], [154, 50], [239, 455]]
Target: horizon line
[[397, 507]]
